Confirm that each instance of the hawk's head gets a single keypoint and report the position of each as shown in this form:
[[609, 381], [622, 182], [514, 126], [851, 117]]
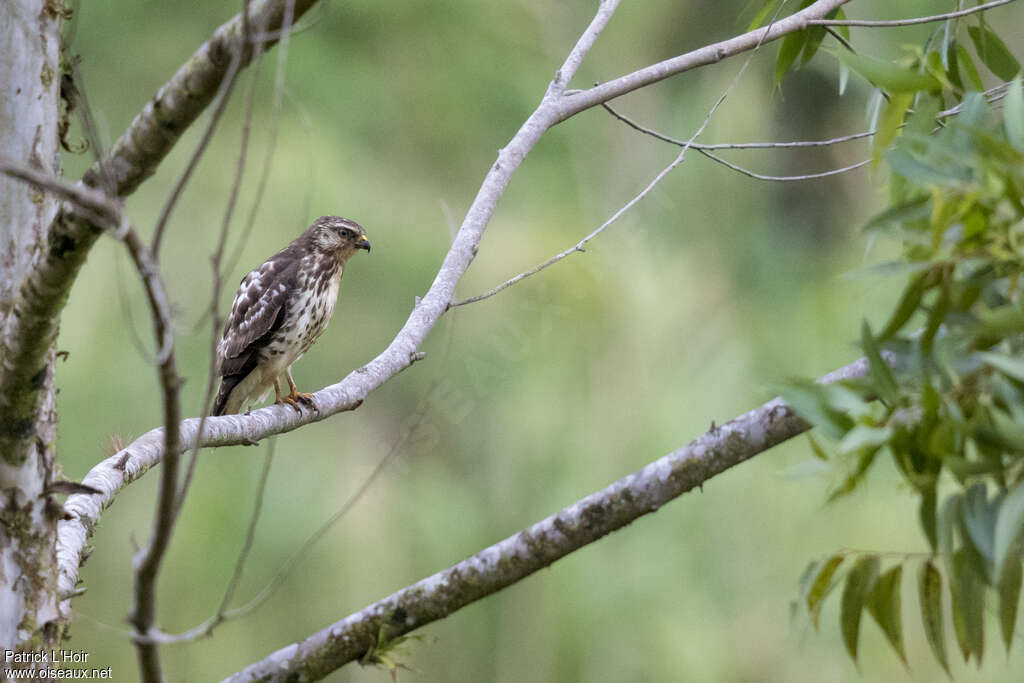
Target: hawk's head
[[338, 237]]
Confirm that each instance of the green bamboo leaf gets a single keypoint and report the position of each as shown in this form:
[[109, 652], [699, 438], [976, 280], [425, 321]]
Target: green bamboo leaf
[[963, 58], [1008, 365], [993, 52], [1008, 528], [881, 373], [1013, 115], [889, 123], [821, 586], [929, 586], [892, 77], [968, 592], [1009, 599], [859, 583]]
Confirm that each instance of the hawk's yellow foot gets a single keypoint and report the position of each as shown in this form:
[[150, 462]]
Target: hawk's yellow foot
[[296, 397]]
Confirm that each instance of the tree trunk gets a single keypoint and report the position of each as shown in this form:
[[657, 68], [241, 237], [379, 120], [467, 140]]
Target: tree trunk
[[30, 74]]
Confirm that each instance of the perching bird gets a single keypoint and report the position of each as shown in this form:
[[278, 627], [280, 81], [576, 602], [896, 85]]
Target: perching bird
[[280, 309]]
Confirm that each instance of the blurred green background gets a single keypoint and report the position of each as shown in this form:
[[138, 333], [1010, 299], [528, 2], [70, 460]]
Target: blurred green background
[[713, 290]]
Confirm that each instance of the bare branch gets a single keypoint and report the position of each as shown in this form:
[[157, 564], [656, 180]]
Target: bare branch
[[909, 22], [581, 100], [537, 547], [90, 202], [147, 561]]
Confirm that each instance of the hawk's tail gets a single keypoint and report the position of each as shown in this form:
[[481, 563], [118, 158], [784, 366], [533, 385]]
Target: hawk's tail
[[227, 385]]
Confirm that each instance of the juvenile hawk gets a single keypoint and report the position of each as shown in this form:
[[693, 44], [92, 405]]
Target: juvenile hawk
[[280, 310]]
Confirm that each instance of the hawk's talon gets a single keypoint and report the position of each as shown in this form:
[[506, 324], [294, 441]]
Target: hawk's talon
[[299, 397]]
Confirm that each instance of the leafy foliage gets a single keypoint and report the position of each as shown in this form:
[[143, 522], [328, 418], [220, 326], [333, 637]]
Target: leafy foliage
[[944, 394]]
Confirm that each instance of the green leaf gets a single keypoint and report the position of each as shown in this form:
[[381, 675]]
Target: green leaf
[[1013, 115], [892, 77], [859, 583], [1008, 528], [993, 52], [810, 401], [1001, 321], [948, 515], [909, 302], [821, 586], [1008, 365], [889, 123], [1009, 599], [789, 50], [881, 373], [963, 58], [926, 512], [968, 592], [863, 436], [885, 606], [805, 469], [767, 11], [979, 518], [816, 448], [929, 587]]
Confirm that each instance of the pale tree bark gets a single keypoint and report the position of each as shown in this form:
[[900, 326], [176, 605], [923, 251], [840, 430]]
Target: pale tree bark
[[29, 98]]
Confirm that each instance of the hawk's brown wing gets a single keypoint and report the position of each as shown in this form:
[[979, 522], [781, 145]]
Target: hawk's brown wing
[[257, 309]]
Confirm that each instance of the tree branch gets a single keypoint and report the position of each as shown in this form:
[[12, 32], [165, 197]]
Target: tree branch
[[581, 100], [908, 22], [537, 547]]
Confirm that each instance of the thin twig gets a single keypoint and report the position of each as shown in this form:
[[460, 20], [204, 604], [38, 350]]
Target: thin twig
[[147, 561], [579, 246], [704, 149], [784, 178], [268, 158], [91, 203], [218, 253], [222, 98], [888, 23]]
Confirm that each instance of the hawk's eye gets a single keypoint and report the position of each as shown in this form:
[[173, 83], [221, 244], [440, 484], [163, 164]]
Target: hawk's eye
[[346, 233]]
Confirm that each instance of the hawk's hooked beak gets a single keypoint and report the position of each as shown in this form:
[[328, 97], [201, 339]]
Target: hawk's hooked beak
[[363, 243]]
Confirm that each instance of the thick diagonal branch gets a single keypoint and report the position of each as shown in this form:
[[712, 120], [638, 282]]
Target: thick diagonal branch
[[547, 541]]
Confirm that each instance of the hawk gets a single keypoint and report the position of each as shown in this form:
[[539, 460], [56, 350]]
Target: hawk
[[280, 309]]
